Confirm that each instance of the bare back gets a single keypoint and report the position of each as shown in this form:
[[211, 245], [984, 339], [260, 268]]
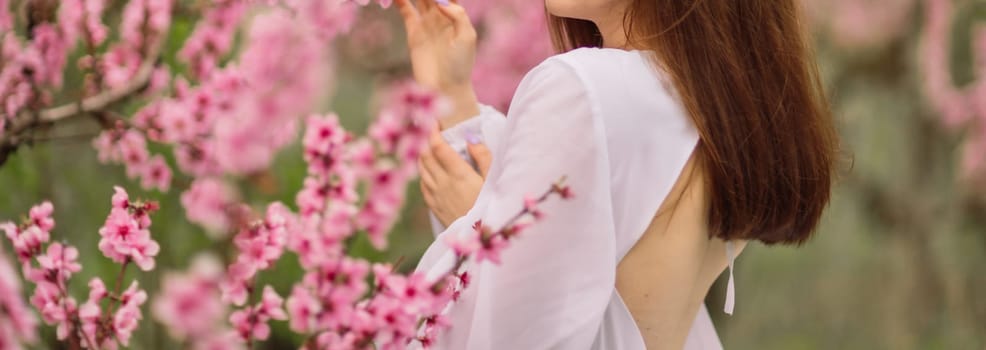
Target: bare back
[[664, 278]]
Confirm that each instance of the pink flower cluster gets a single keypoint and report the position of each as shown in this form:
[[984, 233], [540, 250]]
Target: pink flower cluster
[[208, 202], [143, 24], [26, 67], [39, 62], [18, 326], [29, 238], [81, 18], [126, 236], [502, 60], [399, 134], [145, 21], [260, 244], [855, 24], [958, 106], [279, 90], [328, 18], [213, 36], [337, 163], [55, 265], [480, 242], [129, 147], [189, 306], [336, 303], [103, 327], [106, 318], [327, 201], [331, 303], [51, 276], [239, 115], [382, 3], [6, 19], [251, 322]]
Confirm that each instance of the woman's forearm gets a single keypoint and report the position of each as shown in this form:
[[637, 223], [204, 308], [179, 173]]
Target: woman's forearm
[[464, 106]]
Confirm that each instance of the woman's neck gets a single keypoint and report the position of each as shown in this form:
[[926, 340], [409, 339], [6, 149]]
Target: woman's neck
[[614, 40], [613, 30]]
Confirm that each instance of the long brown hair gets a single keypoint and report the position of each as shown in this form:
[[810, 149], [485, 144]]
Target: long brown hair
[[746, 74]]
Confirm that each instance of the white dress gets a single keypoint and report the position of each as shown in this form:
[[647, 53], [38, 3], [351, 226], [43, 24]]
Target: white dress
[[604, 119]]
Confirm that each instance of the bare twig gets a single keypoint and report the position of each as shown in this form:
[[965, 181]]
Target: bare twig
[[83, 136]]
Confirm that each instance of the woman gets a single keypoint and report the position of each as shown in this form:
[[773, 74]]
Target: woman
[[685, 127]]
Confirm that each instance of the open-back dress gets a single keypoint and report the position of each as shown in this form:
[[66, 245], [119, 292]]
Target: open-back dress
[[609, 122]]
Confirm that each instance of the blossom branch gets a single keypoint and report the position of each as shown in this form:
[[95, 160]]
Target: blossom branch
[[117, 289], [11, 139], [488, 241]]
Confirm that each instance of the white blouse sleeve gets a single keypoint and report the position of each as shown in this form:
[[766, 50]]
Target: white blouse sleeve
[[486, 127], [557, 277]]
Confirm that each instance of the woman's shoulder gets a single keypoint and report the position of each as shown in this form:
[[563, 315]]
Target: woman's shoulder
[[586, 62], [622, 85], [599, 57], [592, 69]]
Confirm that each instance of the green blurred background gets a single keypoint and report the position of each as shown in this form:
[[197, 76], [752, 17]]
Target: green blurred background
[[898, 263]]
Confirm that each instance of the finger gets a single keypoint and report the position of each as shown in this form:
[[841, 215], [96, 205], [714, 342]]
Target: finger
[[447, 157], [425, 5], [428, 196], [460, 19], [407, 9], [481, 154], [427, 179], [432, 166]]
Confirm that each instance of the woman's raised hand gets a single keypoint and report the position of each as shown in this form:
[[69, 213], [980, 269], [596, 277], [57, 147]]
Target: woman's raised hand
[[442, 44], [450, 185]]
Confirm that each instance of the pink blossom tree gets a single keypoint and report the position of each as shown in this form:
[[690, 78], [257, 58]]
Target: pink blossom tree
[[247, 79], [961, 108]]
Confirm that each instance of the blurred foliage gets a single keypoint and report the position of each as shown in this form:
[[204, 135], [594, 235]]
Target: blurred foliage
[[898, 262]]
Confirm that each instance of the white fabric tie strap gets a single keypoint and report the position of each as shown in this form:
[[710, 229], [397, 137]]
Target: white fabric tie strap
[[731, 286]]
